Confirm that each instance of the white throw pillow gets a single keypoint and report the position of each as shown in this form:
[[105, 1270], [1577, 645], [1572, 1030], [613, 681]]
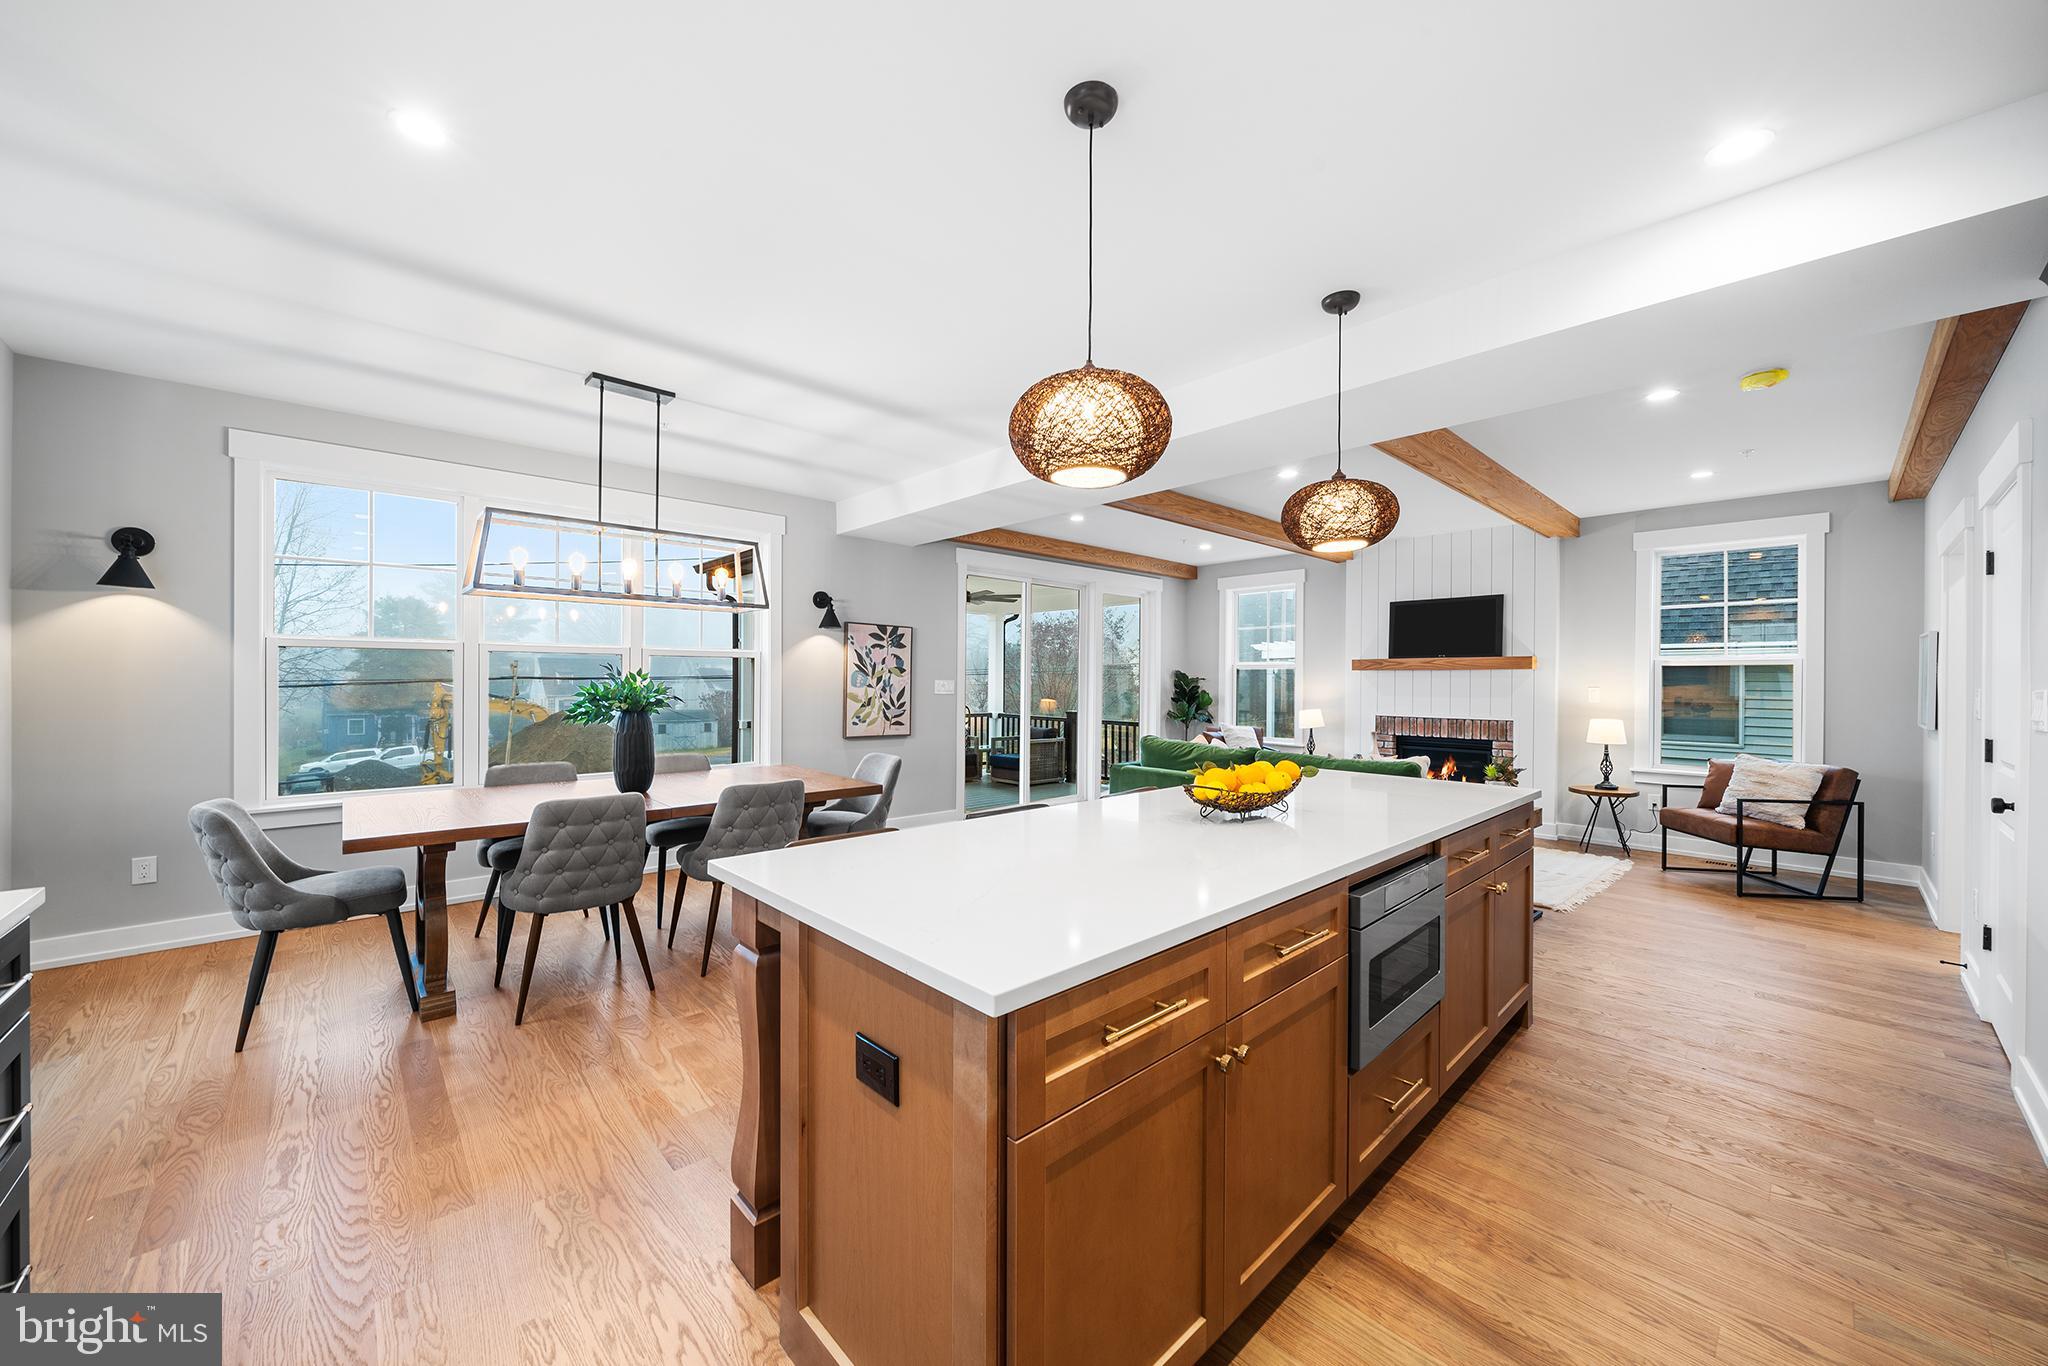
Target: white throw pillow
[[1239, 737], [1789, 788]]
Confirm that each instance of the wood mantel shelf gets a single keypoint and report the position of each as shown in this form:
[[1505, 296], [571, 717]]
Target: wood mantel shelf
[[1448, 662]]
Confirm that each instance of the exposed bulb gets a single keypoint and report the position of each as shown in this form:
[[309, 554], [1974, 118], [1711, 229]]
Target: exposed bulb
[[629, 570], [518, 558], [675, 578], [576, 567]]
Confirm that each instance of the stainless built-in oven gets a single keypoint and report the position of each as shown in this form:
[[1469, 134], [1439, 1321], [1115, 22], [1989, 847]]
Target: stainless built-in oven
[[1397, 954]]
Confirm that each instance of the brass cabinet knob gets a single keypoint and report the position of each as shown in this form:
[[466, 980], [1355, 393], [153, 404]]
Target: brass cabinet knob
[[1243, 1052], [1496, 887], [1225, 1061]]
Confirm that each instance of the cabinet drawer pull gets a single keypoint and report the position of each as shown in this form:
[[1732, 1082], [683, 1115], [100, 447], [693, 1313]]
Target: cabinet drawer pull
[[8, 995], [1394, 1103], [1496, 887], [1313, 937], [1224, 1062], [1160, 1010], [20, 1282], [1472, 857], [1517, 834], [7, 1134]]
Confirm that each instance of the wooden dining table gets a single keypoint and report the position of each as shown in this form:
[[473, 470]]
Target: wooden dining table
[[433, 820]]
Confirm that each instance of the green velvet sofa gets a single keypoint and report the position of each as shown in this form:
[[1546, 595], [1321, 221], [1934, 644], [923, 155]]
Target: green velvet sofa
[[1174, 763]]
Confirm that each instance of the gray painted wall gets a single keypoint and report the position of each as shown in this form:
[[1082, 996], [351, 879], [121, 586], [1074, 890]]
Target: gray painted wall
[[122, 700], [6, 622], [1873, 566], [1323, 665]]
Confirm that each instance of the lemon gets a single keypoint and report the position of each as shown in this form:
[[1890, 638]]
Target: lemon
[[1288, 769], [1227, 778], [1251, 786]]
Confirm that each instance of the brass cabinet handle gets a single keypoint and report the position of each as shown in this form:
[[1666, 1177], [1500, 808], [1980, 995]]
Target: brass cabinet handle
[[1243, 1053], [1472, 857], [1396, 1102], [1160, 1010], [1517, 834], [1311, 938], [1496, 887], [1225, 1061]]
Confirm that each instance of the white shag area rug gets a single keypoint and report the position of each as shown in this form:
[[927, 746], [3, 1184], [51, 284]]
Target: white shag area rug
[[1566, 879]]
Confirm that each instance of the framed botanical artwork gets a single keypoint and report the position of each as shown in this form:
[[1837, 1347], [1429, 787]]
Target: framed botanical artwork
[[877, 680]]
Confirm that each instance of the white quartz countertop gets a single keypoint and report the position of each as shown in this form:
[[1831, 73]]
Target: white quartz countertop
[[17, 906], [1000, 912]]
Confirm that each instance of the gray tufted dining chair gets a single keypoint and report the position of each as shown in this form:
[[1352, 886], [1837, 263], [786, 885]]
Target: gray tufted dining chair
[[749, 818], [580, 854], [500, 854], [674, 834], [852, 815], [269, 892]]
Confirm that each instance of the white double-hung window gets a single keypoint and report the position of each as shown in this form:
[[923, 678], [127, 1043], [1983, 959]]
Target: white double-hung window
[[1260, 673], [1730, 635], [360, 666]]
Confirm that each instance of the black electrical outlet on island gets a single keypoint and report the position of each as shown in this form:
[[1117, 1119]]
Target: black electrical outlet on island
[[876, 1068]]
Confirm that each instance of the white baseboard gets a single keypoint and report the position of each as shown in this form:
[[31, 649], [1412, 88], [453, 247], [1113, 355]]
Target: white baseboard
[[1930, 898], [1874, 870], [924, 818], [2033, 1099]]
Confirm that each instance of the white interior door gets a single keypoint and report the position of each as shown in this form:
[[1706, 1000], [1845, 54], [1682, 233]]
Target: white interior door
[[1999, 946]]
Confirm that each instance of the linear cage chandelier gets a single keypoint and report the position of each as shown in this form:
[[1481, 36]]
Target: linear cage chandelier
[[556, 557]]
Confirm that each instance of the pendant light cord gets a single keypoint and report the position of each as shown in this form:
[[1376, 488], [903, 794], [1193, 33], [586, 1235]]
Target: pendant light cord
[[600, 464], [1340, 395], [1091, 244]]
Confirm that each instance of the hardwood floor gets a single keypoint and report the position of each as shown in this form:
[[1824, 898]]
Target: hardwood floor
[[1739, 1131]]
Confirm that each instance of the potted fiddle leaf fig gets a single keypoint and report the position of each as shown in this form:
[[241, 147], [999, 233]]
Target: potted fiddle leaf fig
[[1191, 701], [627, 703]]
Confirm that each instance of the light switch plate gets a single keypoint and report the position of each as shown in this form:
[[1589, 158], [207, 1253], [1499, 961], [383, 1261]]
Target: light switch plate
[[943, 687], [2040, 709]]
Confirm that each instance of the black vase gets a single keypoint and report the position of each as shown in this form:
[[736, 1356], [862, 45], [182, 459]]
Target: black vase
[[633, 752]]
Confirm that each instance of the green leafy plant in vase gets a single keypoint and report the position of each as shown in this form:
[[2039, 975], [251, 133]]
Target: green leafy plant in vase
[[1191, 702], [1504, 772], [627, 703]]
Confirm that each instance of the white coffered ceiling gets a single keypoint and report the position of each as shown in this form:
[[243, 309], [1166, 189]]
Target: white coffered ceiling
[[850, 235]]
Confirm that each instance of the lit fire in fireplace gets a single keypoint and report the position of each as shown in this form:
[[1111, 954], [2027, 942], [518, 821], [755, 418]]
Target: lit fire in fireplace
[[1447, 770]]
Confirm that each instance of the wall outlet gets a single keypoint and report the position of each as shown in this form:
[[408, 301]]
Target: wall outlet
[[142, 870], [943, 687]]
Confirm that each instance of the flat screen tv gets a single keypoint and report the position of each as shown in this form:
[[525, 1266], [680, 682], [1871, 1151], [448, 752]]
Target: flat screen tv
[[1439, 628]]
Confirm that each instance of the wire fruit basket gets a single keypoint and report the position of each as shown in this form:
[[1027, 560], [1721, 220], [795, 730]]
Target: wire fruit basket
[[1215, 802]]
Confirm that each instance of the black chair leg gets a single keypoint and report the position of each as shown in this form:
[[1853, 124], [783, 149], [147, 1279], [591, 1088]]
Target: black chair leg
[[710, 927], [490, 890], [259, 972], [526, 973], [604, 921], [660, 884], [675, 910], [639, 945], [504, 942], [396, 924], [618, 940]]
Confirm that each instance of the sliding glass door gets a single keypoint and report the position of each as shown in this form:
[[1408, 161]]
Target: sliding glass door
[[1054, 682]]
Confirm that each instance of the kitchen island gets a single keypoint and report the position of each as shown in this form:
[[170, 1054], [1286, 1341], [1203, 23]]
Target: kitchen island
[[1074, 1084]]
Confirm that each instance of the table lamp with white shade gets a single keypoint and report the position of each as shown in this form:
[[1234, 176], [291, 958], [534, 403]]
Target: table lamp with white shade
[[1605, 731], [1308, 720]]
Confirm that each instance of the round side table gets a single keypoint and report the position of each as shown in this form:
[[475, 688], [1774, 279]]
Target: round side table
[[1612, 800]]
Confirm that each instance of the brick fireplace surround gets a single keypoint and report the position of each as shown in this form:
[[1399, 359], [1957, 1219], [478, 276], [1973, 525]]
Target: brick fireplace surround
[[1500, 733]]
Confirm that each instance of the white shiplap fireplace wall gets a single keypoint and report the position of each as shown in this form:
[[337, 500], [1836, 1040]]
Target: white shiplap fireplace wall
[[1508, 560]]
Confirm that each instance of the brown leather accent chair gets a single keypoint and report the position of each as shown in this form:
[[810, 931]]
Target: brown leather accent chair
[[1827, 822]]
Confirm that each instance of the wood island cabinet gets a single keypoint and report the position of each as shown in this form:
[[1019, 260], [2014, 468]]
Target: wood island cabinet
[[1112, 1173]]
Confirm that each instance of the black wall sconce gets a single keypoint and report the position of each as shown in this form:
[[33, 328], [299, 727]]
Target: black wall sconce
[[830, 622], [131, 543]]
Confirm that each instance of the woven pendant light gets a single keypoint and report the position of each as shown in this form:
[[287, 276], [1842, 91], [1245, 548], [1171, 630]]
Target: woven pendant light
[[1090, 428], [1340, 514]]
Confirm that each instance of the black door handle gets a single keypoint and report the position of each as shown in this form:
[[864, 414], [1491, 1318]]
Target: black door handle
[[1999, 806]]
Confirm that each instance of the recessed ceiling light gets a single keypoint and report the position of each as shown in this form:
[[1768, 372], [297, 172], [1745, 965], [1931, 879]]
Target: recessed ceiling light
[[1703, 474], [1740, 146], [1289, 473], [420, 127], [1661, 394], [1205, 546], [1076, 517]]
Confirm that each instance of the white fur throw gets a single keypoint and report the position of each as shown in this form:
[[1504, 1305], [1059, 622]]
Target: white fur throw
[[1789, 788]]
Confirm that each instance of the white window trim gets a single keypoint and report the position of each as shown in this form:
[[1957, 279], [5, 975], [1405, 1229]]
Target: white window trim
[[1809, 533], [260, 457], [1227, 590], [1092, 585]]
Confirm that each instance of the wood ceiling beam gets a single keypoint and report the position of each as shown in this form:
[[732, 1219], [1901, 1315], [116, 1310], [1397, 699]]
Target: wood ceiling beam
[[1960, 358], [1052, 548], [1185, 509], [1456, 463]]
